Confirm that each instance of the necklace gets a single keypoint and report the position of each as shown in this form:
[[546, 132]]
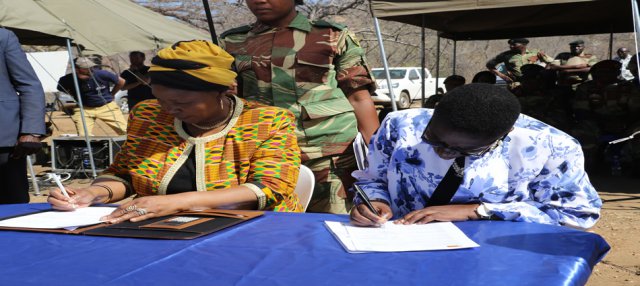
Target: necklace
[[459, 170], [222, 122]]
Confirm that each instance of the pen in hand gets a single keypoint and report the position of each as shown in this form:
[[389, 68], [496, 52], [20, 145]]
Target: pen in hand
[[56, 179], [366, 201]]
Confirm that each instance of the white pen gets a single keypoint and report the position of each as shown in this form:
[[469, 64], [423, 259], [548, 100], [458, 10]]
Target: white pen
[[56, 179]]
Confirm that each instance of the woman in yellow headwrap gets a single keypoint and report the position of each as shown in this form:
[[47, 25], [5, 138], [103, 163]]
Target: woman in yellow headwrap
[[197, 146]]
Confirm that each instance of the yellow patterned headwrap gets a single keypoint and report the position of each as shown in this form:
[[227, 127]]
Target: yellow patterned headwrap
[[198, 58]]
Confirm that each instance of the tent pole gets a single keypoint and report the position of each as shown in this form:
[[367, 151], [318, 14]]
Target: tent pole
[[437, 63], [636, 27], [212, 29], [79, 99], [385, 64], [611, 43], [455, 51], [423, 64], [32, 174]]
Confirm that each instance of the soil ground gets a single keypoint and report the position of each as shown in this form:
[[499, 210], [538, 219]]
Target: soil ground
[[619, 224]]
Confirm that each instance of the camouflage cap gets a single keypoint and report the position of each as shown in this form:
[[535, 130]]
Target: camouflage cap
[[518, 40], [576, 42]]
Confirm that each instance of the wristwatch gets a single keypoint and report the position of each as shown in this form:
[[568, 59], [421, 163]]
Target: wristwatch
[[483, 212]]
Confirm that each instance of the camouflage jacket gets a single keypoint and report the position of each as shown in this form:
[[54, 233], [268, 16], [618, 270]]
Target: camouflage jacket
[[569, 59], [513, 61], [309, 68], [564, 59]]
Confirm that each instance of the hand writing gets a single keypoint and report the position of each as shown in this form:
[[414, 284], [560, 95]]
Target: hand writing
[[362, 216], [78, 198]]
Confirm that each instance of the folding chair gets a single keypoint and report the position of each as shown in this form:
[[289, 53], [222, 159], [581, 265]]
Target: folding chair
[[304, 188], [360, 150]]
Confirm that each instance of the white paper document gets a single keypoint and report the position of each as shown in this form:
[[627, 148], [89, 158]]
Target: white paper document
[[397, 237], [59, 219]]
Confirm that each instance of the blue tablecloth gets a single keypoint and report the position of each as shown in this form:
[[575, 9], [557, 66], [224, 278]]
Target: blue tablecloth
[[296, 249]]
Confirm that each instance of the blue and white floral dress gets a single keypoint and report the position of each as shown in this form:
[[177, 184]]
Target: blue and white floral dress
[[535, 175]]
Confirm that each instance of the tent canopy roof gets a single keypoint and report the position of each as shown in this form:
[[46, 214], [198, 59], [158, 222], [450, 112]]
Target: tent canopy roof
[[104, 27], [32, 24], [500, 19]]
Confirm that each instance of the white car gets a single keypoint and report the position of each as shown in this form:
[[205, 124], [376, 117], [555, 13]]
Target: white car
[[406, 85]]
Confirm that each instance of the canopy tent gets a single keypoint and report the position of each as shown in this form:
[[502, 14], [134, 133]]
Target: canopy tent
[[103, 27], [32, 24], [501, 19]]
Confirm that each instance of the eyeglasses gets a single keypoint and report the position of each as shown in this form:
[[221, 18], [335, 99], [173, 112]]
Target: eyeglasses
[[480, 151]]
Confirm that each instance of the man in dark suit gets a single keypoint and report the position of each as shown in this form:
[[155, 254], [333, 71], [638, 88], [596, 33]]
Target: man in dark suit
[[21, 117]]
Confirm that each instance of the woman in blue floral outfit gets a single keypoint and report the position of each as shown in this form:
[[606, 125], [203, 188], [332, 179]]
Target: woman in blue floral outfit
[[512, 167]]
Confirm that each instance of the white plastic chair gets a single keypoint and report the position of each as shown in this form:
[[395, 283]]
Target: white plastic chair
[[304, 188], [360, 150]]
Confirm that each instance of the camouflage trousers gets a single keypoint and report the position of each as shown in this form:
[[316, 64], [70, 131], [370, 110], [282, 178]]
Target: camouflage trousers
[[333, 180]]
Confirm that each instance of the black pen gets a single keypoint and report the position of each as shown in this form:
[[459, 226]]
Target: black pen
[[365, 199]]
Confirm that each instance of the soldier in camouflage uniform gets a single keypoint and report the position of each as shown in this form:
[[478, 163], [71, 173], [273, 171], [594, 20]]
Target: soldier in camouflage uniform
[[573, 67], [317, 70], [517, 56]]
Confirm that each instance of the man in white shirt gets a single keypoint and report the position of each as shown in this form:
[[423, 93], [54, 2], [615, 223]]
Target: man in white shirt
[[624, 57]]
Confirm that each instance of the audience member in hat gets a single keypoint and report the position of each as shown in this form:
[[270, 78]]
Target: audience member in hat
[[517, 56], [317, 69], [573, 67], [474, 157], [196, 147], [96, 95]]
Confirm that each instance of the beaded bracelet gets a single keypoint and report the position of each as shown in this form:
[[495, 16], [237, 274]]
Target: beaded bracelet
[[108, 190]]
